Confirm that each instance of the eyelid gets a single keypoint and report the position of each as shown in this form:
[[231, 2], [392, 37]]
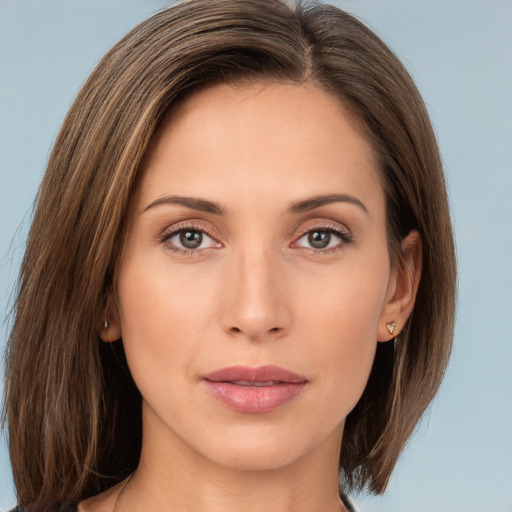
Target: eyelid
[[188, 224], [326, 225]]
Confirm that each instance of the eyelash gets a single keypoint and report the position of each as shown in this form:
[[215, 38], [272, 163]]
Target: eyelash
[[344, 235]]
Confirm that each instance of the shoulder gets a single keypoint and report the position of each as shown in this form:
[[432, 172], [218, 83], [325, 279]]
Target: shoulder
[[104, 502]]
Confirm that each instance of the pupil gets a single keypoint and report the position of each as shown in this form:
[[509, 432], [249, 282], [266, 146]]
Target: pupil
[[191, 239], [319, 239]]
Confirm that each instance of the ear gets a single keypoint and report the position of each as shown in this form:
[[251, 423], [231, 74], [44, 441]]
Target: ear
[[111, 325], [402, 288]]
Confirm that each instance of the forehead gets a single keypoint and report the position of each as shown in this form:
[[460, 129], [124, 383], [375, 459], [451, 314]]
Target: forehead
[[252, 140]]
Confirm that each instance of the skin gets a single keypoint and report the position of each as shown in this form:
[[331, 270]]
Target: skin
[[254, 292]]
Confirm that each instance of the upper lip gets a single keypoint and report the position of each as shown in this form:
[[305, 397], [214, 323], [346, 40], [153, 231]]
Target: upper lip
[[264, 373]]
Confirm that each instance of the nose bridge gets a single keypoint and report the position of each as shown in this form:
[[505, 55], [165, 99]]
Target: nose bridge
[[255, 305]]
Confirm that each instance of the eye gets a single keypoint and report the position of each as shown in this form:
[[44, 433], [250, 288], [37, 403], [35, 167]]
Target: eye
[[188, 239], [191, 239], [324, 239]]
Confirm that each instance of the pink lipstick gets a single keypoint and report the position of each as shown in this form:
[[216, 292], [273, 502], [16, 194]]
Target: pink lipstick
[[254, 390]]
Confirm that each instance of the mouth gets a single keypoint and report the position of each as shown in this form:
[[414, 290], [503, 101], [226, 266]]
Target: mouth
[[256, 384], [254, 390]]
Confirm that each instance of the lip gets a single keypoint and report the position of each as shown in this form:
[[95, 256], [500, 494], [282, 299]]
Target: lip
[[254, 390]]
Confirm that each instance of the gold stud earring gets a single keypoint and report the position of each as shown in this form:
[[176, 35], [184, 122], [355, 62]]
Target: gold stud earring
[[106, 323], [391, 327]]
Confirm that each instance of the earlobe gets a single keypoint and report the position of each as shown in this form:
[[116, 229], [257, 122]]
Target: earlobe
[[402, 288], [111, 328]]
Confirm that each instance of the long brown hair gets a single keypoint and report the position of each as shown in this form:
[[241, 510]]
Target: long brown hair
[[73, 411]]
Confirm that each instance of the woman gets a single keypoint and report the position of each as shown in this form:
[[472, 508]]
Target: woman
[[239, 283]]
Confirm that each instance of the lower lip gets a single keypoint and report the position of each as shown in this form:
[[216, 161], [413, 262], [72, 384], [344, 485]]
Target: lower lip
[[253, 399]]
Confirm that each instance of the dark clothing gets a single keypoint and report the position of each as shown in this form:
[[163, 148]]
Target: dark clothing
[[67, 508], [347, 502]]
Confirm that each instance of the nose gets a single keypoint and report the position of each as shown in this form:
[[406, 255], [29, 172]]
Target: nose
[[255, 296]]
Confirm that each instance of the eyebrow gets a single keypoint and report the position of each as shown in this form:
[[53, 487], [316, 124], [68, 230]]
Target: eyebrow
[[317, 201], [302, 206], [190, 202]]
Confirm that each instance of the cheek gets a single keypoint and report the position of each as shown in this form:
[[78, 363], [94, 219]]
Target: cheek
[[339, 324], [160, 329]]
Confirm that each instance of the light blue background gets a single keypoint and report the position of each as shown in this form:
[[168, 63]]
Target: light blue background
[[460, 53]]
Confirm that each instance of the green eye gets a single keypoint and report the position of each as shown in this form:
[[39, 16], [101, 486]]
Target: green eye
[[324, 240], [190, 239], [319, 239]]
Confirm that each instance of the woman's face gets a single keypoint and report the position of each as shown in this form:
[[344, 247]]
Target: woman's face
[[256, 237]]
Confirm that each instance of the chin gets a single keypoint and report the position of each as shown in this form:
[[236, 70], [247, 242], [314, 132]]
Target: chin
[[268, 449], [256, 457]]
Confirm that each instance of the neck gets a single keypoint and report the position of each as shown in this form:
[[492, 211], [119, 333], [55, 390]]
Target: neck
[[174, 476]]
